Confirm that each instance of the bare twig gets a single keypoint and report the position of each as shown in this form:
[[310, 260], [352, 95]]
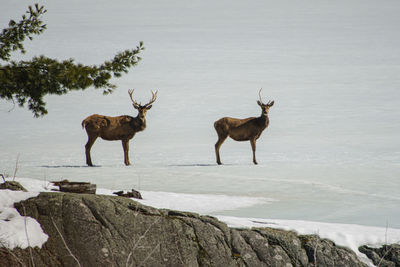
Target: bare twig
[[144, 235], [13, 104], [65, 244], [386, 231], [16, 167], [384, 255], [127, 260], [315, 249], [385, 246], [139, 180], [13, 107], [27, 237], [135, 244], [45, 184], [163, 230], [136, 213], [148, 256], [4, 247]]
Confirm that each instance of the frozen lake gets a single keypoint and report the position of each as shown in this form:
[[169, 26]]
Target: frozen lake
[[330, 154]]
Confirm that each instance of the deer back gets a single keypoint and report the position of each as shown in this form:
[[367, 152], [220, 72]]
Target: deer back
[[113, 128], [241, 129]]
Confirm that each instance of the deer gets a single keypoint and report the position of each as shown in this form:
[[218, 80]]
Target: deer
[[121, 128], [248, 129]]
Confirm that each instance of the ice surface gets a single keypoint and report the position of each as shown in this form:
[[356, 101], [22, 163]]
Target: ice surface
[[330, 154]]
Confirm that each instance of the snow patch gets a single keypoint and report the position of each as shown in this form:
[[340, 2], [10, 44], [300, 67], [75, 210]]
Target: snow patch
[[16, 230]]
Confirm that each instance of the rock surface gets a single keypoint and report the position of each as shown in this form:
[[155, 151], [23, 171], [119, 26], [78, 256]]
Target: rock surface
[[12, 185], [386, 256], [93, 230]]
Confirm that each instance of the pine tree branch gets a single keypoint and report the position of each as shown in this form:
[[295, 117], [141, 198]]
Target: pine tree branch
[[27, 82], [12, 37]]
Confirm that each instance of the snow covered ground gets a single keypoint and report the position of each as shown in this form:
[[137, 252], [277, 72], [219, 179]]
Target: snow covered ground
[[331, 153], [13, 232]]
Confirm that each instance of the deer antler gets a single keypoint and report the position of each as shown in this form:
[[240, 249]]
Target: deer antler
[[259, 94], [134, 103], [270, 103], [153, 98]]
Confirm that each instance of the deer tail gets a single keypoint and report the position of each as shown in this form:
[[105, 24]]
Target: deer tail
[[217, 124], [84, 122], [221, 126]]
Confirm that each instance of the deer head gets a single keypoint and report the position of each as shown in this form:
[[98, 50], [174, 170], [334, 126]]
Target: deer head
[[142, 109], [264, 107]]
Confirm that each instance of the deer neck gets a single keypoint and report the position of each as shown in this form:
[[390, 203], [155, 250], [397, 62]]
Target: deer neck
[[263, 119], [140, 122]]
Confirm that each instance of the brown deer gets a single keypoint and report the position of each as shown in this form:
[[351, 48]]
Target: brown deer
[[243, 129], [121, 128]]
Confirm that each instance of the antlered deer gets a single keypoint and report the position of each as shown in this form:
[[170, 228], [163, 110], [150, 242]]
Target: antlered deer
[[121, 128], [243, 129]]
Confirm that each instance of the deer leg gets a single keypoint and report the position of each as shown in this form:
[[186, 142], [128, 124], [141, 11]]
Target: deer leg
[[253, 147], [125, 146], [221, 139], [88, 146]]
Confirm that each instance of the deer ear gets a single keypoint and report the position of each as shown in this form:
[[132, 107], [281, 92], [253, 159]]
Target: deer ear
[[149, 107], [271, 104], [259, 103]]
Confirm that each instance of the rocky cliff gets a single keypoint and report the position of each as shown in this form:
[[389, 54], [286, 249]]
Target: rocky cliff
[[94, 230]]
